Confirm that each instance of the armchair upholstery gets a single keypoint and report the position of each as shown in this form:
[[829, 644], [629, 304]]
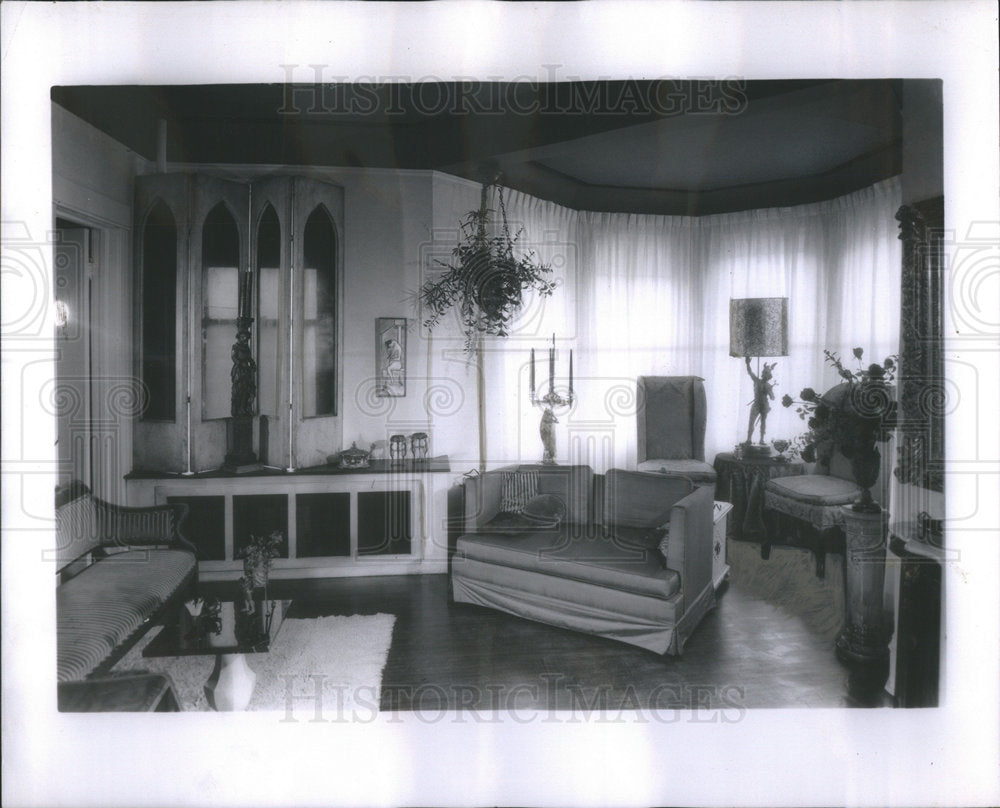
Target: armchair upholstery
[[671, 420]]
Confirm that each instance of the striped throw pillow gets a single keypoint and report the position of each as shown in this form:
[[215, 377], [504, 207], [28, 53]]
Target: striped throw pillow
[[516, 489]]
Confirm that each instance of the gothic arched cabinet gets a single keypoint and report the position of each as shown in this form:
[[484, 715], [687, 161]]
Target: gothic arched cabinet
[[216, 257]]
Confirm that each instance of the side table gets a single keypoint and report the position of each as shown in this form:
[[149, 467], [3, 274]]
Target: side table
[[741, 481], [720, 556]]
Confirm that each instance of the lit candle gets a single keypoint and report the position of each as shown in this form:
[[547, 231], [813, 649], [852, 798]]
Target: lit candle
[[532, 372]]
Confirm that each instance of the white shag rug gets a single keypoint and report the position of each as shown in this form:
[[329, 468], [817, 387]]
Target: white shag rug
[[788, 580], [326, 665]]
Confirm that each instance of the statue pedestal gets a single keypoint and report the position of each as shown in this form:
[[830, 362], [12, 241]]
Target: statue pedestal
[[241, 457], [864, 640]]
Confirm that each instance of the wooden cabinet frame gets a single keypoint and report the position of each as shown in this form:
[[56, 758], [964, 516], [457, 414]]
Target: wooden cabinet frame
[[190, 443]]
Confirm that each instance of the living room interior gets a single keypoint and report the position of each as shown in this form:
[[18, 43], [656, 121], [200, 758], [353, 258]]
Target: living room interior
[[248, 344]]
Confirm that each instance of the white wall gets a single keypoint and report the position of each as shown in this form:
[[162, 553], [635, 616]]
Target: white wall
[[92, 184], [396, 223]]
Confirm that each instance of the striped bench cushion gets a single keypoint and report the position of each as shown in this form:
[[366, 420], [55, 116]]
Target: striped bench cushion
[[77, 529], [105, 604]]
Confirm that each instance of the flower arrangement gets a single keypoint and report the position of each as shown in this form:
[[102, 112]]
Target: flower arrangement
[[484, 279], [257, 556], [852, 417], [206, 618]]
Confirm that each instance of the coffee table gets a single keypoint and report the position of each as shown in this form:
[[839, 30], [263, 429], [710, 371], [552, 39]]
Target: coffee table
[[226, 625]]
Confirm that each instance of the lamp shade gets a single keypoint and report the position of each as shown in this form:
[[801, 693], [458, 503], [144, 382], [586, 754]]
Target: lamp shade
[[758, 326]]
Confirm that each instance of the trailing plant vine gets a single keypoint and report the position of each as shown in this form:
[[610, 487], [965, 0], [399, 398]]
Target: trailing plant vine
[[484, 280]]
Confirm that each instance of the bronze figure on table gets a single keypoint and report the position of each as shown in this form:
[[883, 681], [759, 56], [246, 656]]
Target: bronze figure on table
[[763, 394]]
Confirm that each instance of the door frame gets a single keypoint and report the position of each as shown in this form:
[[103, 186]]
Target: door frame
[[110, 346]]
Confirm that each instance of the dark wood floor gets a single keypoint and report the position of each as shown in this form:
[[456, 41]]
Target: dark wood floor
[[745, 654]]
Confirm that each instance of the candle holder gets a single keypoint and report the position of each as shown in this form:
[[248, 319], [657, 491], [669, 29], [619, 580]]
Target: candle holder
[[418, 446], [397, 449], [551, 400]]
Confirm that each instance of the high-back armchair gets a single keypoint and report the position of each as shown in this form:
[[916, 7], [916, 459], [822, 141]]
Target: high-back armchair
[[671, 418]]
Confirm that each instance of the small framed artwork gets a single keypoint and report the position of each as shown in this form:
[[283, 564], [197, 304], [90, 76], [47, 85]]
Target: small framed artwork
[[390, 356]]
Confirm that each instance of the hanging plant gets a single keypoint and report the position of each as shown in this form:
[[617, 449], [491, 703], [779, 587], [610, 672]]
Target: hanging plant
[[485, 280]]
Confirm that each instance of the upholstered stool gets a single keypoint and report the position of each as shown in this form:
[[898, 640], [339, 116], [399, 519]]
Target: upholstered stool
[[697, 471], [810, 506]]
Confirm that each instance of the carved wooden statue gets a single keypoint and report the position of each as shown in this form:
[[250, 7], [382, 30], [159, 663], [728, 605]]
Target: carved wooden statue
[[244, 372]]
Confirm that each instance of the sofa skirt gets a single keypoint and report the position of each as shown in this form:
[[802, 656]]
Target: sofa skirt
[[656, 624]]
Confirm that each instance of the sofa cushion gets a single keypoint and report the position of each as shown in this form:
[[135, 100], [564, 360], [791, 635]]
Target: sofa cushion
[[645, 538], [546, 510], [102, 606], [516, 488], [541, 512], [816, 489], [509, 523], [698, 471], [572, 484], [600, 559], [641, 499], [139, 527]]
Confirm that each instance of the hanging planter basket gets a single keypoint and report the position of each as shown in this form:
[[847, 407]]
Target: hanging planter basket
[[484, 280]]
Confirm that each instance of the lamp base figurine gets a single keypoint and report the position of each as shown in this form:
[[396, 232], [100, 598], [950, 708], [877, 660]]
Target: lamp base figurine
[[757, 450], [547, 431]]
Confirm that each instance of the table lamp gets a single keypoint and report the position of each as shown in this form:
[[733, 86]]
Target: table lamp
[[758, 327]]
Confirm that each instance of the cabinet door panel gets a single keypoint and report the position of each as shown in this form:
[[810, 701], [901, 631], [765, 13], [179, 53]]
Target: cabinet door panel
[[384, 523], [259, 514], [205, 525], [323, 525]]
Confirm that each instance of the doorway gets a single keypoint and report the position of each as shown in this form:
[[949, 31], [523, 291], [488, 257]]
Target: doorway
[[72, 395]]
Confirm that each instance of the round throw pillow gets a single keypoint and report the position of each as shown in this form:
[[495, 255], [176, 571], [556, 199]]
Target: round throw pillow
[[546, 509]]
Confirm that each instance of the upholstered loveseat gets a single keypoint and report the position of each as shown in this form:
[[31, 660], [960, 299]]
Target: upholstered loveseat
[[120, 570], [626, 555]]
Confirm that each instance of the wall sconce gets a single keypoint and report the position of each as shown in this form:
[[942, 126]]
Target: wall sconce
[[62, 318]]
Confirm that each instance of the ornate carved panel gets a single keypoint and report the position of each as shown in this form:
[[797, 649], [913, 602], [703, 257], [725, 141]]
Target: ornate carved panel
[[923, 395]]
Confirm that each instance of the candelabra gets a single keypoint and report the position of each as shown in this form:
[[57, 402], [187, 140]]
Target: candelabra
[[552, 399]]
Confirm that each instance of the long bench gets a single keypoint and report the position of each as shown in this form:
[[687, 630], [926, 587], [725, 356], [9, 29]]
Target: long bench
[[120, 571]]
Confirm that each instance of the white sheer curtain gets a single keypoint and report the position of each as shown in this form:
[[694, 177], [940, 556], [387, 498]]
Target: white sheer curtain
[[551, 233], [649, 295]]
